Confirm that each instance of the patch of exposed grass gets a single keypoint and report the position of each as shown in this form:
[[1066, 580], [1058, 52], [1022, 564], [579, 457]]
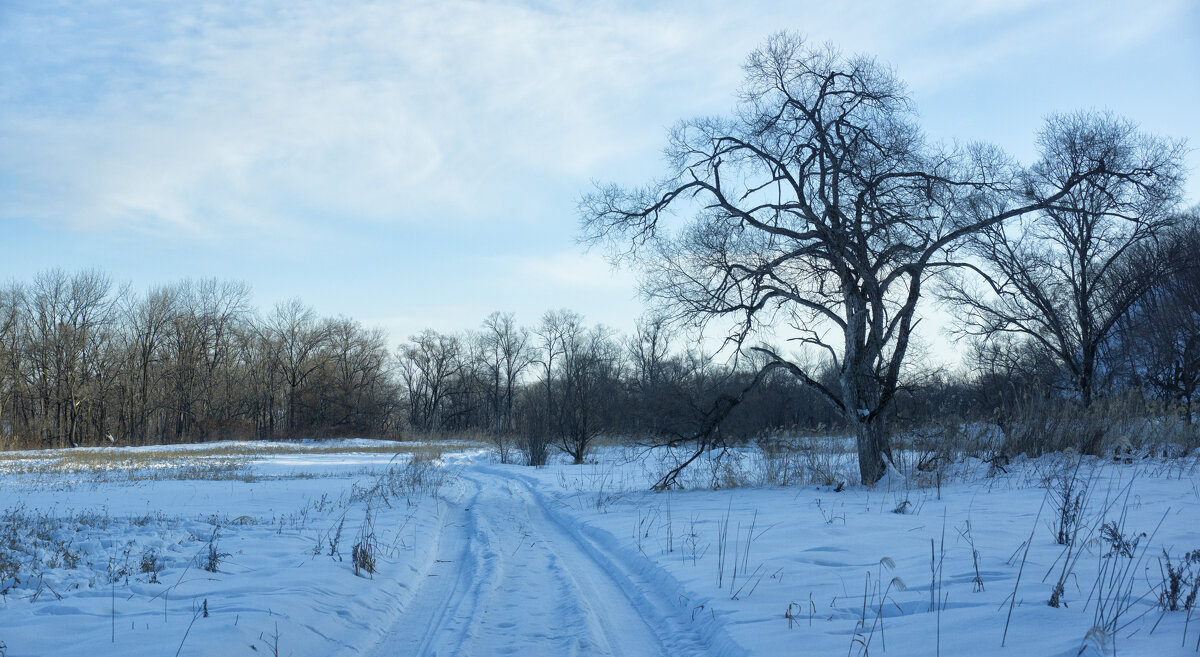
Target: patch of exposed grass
[[214, 462], [131, 466]]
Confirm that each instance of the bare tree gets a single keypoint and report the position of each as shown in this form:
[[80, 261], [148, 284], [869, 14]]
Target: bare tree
[[12, 342], [147, 321], [1159, 339], [650, 356], [255, 352], [1065, 275], [650, 350], [356, 365], [504, 354], [223, 307], [81, 363], [548, 338], [297, 336], [431, 365], [817, 206], [589, 373], [66, 319]]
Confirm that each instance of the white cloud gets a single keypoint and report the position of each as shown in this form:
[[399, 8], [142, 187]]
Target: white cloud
[[206, 120], [572, 271], [370, 112]]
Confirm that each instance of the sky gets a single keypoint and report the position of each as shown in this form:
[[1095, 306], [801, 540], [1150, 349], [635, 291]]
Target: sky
[[418, 164]]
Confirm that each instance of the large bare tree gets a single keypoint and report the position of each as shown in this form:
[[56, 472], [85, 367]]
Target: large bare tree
[[1159, 339], [818, 208], [1065, 275]]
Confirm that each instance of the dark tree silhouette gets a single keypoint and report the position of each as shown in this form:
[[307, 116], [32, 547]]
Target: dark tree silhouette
[[1065, 275], [817, 206]]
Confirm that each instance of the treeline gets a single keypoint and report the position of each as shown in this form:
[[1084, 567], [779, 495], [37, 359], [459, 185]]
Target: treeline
[[84, 361], [560, 383]]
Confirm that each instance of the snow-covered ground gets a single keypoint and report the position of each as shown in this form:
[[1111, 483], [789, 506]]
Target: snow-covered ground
[[104, 552]]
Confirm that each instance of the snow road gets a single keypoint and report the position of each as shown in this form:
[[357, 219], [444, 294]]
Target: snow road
[[513, 575]]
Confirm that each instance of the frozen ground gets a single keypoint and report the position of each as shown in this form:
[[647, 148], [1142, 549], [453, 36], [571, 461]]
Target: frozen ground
[[102, 552]]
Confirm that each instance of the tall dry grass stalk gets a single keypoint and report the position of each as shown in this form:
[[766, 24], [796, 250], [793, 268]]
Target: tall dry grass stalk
[[1118, 426]]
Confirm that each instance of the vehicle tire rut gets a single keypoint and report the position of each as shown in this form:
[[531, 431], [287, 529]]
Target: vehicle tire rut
[[511, 576]]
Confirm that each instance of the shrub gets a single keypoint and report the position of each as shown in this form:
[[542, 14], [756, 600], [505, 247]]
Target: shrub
[[152, 564], [366, 548], [1181, 581], [1119, 545], [1069, 492], [211, 557]]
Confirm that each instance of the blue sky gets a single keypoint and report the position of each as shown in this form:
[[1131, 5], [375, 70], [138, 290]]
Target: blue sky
[[417, 164]]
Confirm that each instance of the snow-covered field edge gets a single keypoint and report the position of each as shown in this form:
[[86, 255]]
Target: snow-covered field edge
[[108, 554]]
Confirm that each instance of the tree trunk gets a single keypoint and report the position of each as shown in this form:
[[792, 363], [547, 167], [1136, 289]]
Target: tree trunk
[[873, 448]]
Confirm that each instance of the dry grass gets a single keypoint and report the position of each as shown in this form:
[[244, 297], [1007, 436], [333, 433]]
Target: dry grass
[[217, 461], [132, 466], [1118, 426]]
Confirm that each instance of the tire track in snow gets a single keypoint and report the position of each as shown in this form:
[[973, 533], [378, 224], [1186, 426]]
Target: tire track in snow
[[440, 614], [655, 595], [513, 576], [536, 607]]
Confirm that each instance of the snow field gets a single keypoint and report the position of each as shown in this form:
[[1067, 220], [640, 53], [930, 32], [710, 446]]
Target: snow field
[[268, 521], [900, 571], [478, 558]]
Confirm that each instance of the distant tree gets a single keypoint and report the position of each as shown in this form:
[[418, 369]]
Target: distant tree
[[1159, 338], [589, 374], [817, 207], [1006, 369], [1065, 275], [84, 361], [431, 367], [297, 337], [353, 389], [548, 337], [649, 350], [504, 353], [256, 355], [12, 343], [224, 309], [147, 321], [66, 318]]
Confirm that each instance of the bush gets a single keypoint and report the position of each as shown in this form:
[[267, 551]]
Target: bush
[[211, 557], [1119, 544], [366, 548], [535, 448], [1181, 581], [1118, 426], [1069, 492], [151, 564]]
